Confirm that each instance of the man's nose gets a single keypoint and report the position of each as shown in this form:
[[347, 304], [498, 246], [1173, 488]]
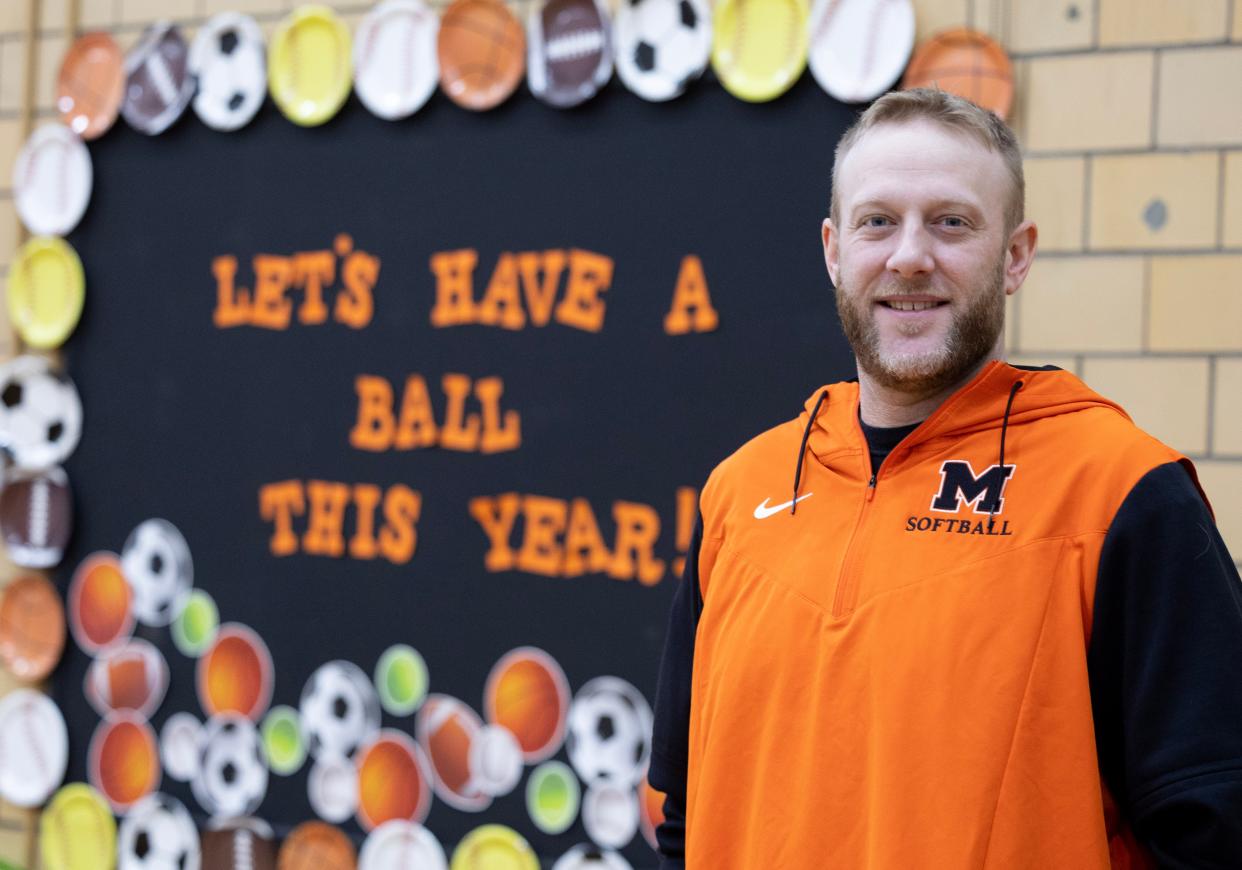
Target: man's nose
[[913, 253]]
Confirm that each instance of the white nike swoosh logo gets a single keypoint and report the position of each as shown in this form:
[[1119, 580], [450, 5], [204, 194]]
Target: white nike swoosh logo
[[762, 512]]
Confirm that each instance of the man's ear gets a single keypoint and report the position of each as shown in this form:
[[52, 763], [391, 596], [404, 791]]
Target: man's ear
[[832, 249], [1019, 254]]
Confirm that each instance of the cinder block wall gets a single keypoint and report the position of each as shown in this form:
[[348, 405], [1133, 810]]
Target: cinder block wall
[[1130, 112]]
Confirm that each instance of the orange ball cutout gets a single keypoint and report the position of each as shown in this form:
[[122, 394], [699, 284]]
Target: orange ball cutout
[[394, 780], [123, 761], [446, 730], [99, 603], [317, 846], [235, 674], [650, 810], [32, 627], [527, 693], [967, 63]]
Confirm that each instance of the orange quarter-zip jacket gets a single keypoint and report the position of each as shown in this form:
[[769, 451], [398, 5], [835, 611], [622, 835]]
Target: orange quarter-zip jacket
[[895, 667]]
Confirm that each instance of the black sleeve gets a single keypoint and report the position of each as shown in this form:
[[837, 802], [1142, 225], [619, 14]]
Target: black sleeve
[[1165, 666], [671, 734]]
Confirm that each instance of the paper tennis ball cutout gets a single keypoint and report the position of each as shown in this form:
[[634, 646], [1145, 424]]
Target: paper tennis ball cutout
[[123, 761], [662, 46], [394, 780], [401, 680], [966, 63], [91, 85], [282, 740], [759, 47], [527, 693], [36, 517], [446, 729], [402, 845], [570, 51], [40, 412], [235, 674], [317, 846], [75, 829], [131, 677], [553, 797], [158, 833], [34, 747], [228, 59], [99, 603], [194, 629], [395, 65], [232, 773], [481, 47], [32, 627], [156, 562], [309, 65]]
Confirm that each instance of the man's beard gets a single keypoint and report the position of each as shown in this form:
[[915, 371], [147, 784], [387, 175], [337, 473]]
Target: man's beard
[[973, 334]]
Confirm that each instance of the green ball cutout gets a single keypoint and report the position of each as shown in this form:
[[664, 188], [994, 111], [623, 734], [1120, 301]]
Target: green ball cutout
[[401, 680], [282, 740], [194, 629], [552, 797]]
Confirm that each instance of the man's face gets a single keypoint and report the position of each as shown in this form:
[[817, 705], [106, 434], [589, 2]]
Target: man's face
[[920, 259]]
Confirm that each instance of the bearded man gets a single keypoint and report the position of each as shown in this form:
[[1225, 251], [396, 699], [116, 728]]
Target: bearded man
[[958, 613]]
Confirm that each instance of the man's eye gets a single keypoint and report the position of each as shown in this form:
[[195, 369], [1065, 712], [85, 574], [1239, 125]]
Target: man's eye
[[952, 221], [876, 220]]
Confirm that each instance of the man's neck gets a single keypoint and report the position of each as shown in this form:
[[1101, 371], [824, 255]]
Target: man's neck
[[885, 407]]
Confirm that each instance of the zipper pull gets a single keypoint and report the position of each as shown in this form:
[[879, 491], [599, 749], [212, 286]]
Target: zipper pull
[[871, 487]]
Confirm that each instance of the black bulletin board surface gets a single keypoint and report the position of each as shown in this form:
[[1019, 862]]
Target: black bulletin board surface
[[188, 421]]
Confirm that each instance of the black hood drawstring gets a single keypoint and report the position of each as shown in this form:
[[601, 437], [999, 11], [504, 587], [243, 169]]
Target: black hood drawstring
[[1013, 391], [793, 506]]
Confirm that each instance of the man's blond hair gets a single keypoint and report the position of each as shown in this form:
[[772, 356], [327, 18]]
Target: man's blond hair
[[954, 114]]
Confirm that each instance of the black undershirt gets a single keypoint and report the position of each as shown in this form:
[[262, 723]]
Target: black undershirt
[[882, 439]]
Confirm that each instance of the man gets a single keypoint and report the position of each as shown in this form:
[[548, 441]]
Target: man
[[957, 614]]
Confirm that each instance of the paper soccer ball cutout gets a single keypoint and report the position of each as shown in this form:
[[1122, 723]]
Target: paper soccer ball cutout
[[40, 413], [158, 834], [609, 732], [339, 709], [232, 774], [662, 46], [156, 563], [228, 59]]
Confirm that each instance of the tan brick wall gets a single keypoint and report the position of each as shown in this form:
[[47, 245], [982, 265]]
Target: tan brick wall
[[1131, 115]]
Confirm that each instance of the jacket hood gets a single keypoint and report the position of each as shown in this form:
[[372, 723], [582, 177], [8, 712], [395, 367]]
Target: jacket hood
[[980, 405]]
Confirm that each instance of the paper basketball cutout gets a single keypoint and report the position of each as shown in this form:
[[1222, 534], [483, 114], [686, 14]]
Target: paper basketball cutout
[[528, 694], [32, 627], [966, 63], [394, 780], [317, 846], [235, 674], [123, 761], [99, 603], [482, 52]]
